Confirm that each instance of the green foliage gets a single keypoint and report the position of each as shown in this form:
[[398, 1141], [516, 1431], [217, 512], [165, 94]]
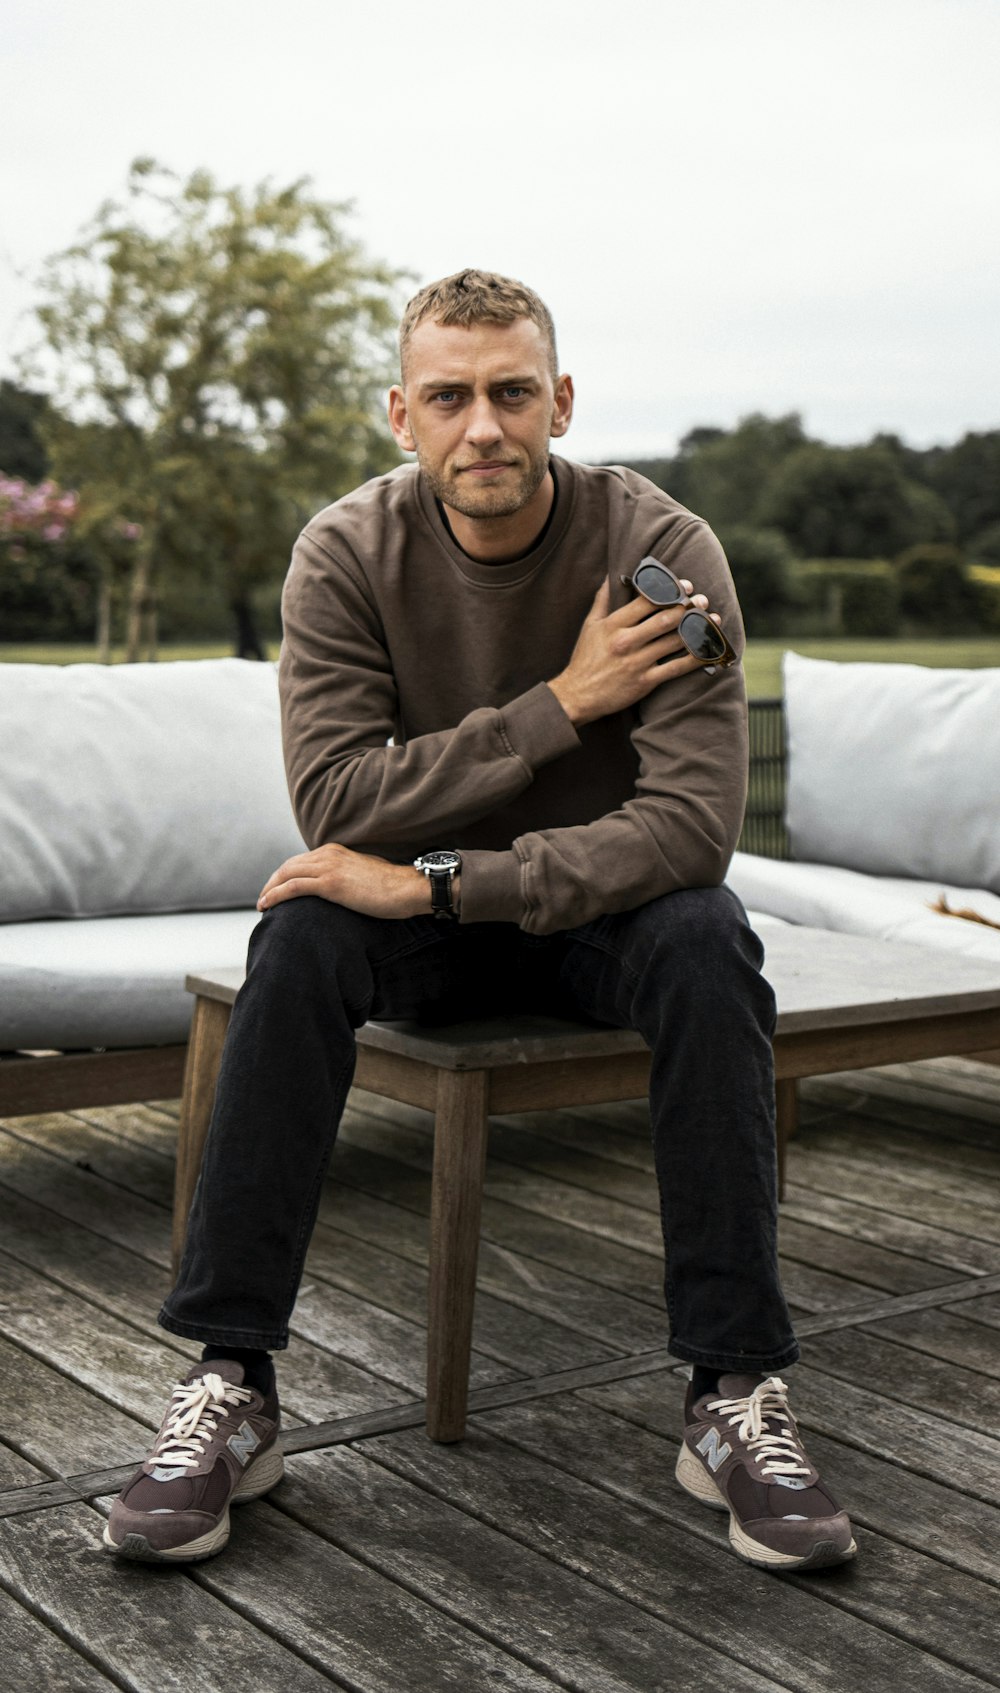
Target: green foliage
[[22, 450], [934, 588], [984, 580], [217, 358], [967, 477], [721, 475], [985, 547], [850, 596], [847, 502], [46, 576], [762, 564], [46, 592]]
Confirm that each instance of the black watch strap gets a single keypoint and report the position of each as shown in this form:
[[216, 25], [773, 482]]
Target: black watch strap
[[442, 904], [441, 868]]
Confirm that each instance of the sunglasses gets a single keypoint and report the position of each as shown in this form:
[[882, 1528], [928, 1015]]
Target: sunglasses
[[703, 639]]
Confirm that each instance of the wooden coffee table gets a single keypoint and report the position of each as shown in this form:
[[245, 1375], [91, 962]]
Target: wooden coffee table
[[844, 1003]]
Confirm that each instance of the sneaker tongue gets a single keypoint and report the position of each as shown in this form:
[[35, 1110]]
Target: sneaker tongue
[[738, 1387], [227, 1368]]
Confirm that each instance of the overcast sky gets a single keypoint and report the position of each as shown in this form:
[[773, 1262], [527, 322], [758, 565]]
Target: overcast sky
[[729, 205]]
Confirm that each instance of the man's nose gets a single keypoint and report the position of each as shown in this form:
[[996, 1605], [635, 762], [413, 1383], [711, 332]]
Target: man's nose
[[482, 423]]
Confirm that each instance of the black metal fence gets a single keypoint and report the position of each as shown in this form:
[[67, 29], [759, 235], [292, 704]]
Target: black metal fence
[[764, 829]]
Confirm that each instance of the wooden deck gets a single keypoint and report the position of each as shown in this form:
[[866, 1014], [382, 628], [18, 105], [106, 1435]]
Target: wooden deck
[[553, 1549]]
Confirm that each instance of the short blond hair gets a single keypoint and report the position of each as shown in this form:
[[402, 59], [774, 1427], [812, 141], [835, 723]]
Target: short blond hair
[[477, 296]]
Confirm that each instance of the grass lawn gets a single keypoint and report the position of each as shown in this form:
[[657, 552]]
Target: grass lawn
[[762, 663], [24, 653]]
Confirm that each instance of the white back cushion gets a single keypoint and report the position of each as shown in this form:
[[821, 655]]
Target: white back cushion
[[895, 769], [139, 787]]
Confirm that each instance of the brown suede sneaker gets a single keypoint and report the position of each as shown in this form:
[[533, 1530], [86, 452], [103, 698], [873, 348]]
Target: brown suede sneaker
[[217, 1445], [742, 1453]]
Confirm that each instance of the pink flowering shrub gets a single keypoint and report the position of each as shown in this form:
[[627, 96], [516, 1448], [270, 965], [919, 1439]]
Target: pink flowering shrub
[[46, 511]]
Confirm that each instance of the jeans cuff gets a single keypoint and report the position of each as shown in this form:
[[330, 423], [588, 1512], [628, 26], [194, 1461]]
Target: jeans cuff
[[255, 1339], [737, 1363]]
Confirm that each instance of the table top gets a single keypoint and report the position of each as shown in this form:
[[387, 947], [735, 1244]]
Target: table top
[[822, 980]]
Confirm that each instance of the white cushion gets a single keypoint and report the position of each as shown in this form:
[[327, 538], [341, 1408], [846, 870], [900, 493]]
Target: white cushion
[[824, 896], [895, 769], [140, 787], [110, 981]]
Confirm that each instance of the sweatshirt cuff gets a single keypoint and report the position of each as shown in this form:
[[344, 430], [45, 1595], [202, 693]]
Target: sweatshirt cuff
[[491, 887], [537, 728]]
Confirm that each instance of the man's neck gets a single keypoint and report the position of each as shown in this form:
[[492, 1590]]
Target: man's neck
[[497, 540]]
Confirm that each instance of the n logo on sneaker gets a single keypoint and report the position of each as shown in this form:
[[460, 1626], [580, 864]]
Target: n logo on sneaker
[[711, 1451], [243, 1443]]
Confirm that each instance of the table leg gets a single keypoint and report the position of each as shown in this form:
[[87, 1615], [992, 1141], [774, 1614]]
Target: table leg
[[787, 1118], [460, 1135], [208, 1033]]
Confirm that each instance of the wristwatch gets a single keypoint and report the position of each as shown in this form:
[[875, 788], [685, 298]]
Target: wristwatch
[[441, 868]]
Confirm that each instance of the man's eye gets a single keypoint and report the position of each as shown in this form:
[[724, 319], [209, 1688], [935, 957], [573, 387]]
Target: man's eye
[[514, 392], [446, 396]]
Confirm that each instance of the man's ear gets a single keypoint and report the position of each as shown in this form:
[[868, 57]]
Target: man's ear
[[562, 406], [399, 420]]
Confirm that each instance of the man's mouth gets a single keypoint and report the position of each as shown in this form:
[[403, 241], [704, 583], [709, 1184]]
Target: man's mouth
[[486, 467]]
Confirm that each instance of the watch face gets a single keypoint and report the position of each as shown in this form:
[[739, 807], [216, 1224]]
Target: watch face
[[440, 861]]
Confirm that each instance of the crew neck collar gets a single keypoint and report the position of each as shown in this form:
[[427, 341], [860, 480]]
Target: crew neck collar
[[513, 570]]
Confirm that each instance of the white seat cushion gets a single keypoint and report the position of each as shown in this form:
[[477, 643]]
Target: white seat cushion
[[110, 981], [894, 769], [135, 788], [824, 896]]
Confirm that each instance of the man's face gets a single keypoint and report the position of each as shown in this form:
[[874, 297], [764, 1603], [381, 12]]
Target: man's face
[[478, 408]]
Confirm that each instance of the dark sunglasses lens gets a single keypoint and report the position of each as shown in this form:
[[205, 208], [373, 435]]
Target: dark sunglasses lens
[[702, 638], [656, 585]]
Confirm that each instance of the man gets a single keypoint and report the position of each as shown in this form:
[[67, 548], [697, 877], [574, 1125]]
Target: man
[[521, 789]]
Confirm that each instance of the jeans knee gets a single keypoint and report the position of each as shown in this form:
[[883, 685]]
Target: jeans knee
[[700, 939], [700, 923], [300, 938]]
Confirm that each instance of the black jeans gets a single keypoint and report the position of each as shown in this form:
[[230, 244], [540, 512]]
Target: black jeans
[[683, 970]]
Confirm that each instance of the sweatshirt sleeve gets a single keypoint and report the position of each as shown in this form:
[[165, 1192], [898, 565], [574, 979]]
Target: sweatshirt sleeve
[[339, 709], [680, 828]]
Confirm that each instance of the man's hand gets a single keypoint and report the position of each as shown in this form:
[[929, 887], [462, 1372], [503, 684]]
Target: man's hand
[[618, 654], [355, 879]]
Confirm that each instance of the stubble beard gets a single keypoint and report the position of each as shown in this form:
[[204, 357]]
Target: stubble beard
[[472, 500]]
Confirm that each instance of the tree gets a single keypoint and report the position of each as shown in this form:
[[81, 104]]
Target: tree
[[721, 476], [850, 502], [22, 451], [967, 478], [762, 565], [216, 357]]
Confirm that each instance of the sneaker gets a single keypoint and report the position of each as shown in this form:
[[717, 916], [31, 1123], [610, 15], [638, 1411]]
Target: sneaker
[[218, 1444], [742, 1453]]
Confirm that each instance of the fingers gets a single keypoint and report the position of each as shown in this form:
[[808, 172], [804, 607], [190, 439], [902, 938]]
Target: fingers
[[600, 602], [302, 864], [638, 609], [294, 888]]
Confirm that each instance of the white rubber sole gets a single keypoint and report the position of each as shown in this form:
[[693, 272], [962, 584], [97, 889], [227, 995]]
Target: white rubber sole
[[259, 1478], [694, 1479]]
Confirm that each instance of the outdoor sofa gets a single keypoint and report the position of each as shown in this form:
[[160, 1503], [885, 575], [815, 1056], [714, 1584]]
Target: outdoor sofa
[[142, 808], [875, 795]]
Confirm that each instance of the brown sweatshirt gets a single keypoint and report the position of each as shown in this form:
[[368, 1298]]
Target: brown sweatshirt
[[393, 632]]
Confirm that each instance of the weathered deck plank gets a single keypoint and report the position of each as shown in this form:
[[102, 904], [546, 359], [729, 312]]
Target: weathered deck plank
[[657, 1549], [38, 1661], [151, 1630], [579, 1632], [554, 1548]]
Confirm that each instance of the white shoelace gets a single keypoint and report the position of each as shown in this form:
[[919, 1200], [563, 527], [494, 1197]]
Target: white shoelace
[[195, 1411], [778, 1453]]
